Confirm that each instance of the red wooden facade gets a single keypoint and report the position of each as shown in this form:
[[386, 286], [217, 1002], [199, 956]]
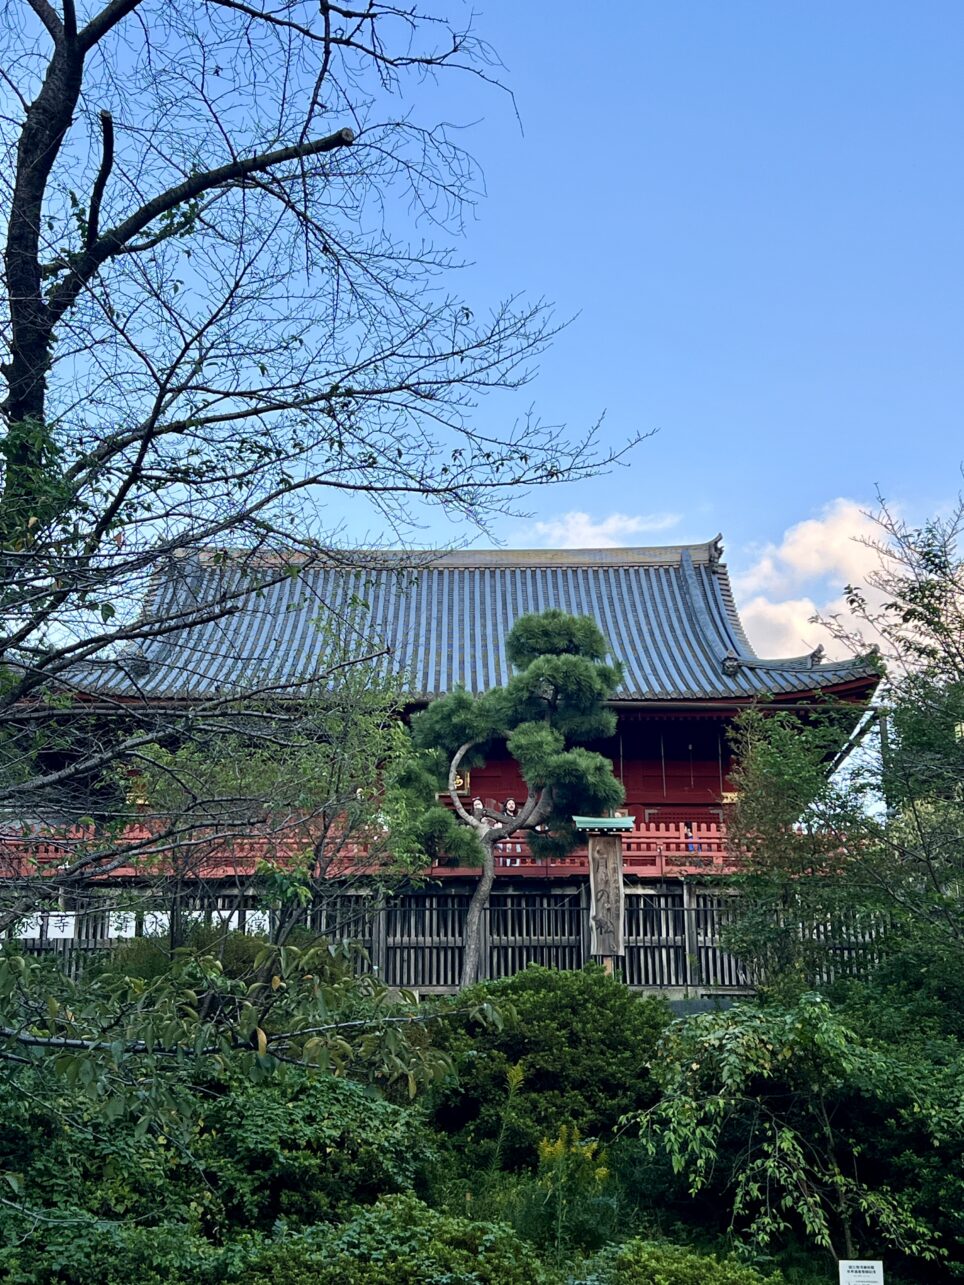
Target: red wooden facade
[[668, 614], [673, 769]]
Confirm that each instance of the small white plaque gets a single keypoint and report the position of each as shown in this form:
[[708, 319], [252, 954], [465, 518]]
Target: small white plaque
[[865, 1271]]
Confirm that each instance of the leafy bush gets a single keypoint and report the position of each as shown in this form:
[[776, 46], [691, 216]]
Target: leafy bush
[[776, 1112], [305, 1148], [90, 1199], [79, 1249], [643, 1262], [581, 1041], [568, 1204], [150, 957], [402, 1241]]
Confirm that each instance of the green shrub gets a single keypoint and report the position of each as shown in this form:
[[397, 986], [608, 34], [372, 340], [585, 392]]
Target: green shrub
[[568, 1204], [305, 1148], [150, 957], [143, 957], [581, 1040], [644, 1262], [83, 1250], [400, 1241], [95, 1200]]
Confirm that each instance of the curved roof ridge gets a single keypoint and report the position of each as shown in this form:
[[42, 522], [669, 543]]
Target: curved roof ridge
[[741, 643], [741, 651], [699, 609], [705, 553], [813, 660]]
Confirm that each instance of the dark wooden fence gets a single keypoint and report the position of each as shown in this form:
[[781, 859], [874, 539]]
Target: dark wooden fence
[[673, 935]]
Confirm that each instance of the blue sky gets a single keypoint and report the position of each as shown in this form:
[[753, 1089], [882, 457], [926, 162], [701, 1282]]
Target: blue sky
[[753, 208]]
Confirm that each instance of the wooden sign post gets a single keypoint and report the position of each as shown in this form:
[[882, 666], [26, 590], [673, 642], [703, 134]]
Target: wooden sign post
[[607, 900]]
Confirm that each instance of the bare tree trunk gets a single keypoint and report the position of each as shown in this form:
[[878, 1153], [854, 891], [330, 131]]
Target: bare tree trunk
[[837, 1178], [45, 124], [472, 952], [175, 923]]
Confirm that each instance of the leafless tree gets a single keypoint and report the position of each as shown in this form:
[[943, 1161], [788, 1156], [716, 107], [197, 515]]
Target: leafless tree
[[227, 305]]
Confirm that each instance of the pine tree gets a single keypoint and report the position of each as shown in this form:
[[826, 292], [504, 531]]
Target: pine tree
[[546, 715]]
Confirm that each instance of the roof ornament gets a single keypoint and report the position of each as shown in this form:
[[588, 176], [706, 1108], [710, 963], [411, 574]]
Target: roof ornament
[[716, 550], [816, 656], [134, 662], [731, 664]]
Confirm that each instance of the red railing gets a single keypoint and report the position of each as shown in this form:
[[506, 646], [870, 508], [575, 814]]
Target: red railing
[[652, 849]]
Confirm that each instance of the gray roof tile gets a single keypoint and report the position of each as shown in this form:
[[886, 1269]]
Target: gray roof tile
[[668, 613]]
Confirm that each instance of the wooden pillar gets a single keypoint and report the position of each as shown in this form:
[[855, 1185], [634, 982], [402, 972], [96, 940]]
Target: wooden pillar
[[691, 938], [485, 946], [379, 939], [607, 904], [585, 914]]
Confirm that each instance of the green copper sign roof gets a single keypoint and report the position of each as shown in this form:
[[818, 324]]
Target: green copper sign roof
[[603, 823]]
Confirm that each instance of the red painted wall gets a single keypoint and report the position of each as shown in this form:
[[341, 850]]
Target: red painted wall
[[669, 768]]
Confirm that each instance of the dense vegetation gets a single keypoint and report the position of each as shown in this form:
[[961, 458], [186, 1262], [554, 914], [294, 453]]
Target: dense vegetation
[[570, 1132], [218, 321]]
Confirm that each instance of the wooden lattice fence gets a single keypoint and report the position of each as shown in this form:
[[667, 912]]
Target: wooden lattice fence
[[674, 934]]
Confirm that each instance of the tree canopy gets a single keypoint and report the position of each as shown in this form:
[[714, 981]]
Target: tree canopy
[[873, 849]]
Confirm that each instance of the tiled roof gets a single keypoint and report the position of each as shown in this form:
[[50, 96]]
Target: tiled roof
[[668, 613]]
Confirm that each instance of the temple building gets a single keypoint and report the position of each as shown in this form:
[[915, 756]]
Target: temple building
[[441, 620], [668, 613]]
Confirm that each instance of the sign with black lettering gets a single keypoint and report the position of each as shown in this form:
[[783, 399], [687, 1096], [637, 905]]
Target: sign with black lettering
[[867, 1271]]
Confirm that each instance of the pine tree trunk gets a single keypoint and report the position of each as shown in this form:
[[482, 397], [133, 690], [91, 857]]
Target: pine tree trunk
[[472, 952]]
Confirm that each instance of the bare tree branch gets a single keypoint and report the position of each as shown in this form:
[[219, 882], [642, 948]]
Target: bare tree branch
[[114, 240], [106, 164]]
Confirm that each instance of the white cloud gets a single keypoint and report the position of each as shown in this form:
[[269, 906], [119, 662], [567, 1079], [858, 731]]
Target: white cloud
[[577, 530], [783, 628], [831, 547], [805, 575]]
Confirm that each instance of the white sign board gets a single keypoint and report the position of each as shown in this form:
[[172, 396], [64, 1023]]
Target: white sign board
[[868, 1271]]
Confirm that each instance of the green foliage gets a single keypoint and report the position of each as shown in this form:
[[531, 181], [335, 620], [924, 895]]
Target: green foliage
[[559, 1219], [304, 1149], [821, 854], [36, 493], [92, 1199], [582, 1042], [782, 771], [915, 1006], [439, 833], [642, 1262], [884, 835], [554, 633], [127, 1042], [402, 1241], [926, 755], [573, 1174], [149, 958], [545, 714], [329, 778], [756, 1107], [81, 1250], [857, 1105]]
